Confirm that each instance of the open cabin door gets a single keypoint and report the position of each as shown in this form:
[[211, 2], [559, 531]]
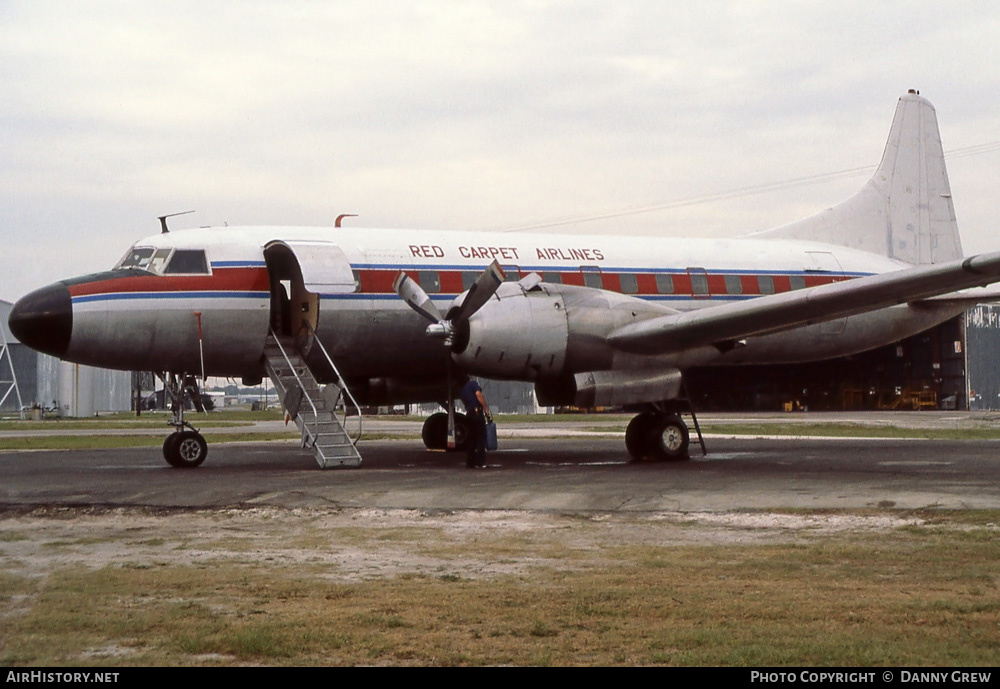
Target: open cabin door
[[300, 273]]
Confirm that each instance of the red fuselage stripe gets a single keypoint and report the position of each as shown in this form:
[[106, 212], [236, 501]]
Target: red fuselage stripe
[[376, 281]]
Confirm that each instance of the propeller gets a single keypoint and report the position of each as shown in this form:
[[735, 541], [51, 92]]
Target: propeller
[[482, 289]]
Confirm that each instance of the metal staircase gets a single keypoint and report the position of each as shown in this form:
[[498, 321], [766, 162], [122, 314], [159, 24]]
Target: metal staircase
[[319, 413]]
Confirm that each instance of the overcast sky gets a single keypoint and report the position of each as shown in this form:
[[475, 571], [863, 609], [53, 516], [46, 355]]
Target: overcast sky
[[466, 115]]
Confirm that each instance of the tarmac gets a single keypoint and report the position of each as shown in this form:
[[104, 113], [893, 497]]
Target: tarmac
[[577, 466]]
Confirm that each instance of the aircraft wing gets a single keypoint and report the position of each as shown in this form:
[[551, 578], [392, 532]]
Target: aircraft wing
[[969, 298], [726, 323]]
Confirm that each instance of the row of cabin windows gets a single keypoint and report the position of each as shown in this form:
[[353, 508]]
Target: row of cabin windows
[[430, 281]]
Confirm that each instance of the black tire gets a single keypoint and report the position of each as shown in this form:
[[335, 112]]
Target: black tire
[[463, 429], [169, 448], [187, 451], [435, 431], [637, 435], [669, 439]]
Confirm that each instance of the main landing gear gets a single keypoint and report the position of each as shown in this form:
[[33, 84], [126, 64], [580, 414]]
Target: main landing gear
[[435, 432], [185, 448], [660, 435]]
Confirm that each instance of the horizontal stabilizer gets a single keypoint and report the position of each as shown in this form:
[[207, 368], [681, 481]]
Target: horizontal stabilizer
[[777, 312]]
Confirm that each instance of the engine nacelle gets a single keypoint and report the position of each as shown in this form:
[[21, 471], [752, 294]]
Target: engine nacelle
[[531, 331], [609, 388], [517, 334], [390, 391]]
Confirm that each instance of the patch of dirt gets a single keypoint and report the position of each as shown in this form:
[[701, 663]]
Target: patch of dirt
[[361, 544]]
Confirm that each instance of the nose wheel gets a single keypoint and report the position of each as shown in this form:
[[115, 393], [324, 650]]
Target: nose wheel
[[185, 449]]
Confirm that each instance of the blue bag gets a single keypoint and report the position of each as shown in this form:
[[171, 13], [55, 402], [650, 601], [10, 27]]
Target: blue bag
[[491, 435]]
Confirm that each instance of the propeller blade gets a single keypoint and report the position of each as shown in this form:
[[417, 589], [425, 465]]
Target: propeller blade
[[485, 286], [410, 292], [530, 281]]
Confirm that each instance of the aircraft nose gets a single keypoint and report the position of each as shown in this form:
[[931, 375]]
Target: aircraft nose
[[43, 319]]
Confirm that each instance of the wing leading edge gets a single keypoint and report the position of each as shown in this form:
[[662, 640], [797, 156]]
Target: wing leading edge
[[718, 325]]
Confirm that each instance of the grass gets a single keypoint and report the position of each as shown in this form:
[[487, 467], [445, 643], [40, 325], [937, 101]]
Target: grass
[[103, 442], [106, 442], [851, 430], [150, 420], [101, 423], [912, 596], [582, 422]]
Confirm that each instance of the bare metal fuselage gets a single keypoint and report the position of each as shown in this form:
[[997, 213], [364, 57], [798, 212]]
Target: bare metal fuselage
[[135, 319]]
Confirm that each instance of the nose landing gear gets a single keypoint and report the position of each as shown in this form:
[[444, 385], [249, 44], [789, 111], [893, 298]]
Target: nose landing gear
[[185, 448]]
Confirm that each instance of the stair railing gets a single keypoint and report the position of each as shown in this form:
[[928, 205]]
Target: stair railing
[[345, 393], [302, 387]]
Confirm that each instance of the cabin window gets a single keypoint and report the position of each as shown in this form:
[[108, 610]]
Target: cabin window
[[664, 283], [513, 273], [765, 284], [552, 278], [630, 285], [429, 280], [592, 277], [797, 282], [734, 285], [187, 261], [699, 283]]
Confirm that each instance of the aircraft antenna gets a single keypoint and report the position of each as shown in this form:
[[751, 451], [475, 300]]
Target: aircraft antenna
[[163, 220], [336, 223]]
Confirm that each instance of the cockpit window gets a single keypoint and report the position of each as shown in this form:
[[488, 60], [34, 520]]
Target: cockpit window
[[159, 259], [165, 261], [188, 261], [138, 257]]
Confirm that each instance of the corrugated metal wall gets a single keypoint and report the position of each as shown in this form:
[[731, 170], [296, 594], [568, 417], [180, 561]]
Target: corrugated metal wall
[[509, 397], [982, 344]]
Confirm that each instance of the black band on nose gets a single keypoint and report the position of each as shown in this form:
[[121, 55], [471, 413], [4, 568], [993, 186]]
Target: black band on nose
[[43, 319]]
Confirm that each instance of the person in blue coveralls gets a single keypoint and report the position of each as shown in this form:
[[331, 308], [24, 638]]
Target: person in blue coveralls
[[478, 412]]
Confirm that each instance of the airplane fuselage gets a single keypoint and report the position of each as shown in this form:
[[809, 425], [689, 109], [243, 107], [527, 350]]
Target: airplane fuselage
[[147, 314]]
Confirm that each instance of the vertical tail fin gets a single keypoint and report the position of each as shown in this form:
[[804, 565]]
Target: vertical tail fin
[[905, 210]]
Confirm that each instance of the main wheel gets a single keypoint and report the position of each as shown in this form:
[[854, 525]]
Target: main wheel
[[669, 439], [186, 451], [637, 435], [435, 431], [462, 431]]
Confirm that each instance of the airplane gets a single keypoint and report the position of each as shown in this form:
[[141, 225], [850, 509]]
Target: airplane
[[590, 320]]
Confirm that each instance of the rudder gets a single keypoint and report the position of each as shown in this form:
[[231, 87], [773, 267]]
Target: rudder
[[905, 210]]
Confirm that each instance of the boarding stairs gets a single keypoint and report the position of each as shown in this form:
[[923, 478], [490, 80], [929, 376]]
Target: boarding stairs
[[320, 413]]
